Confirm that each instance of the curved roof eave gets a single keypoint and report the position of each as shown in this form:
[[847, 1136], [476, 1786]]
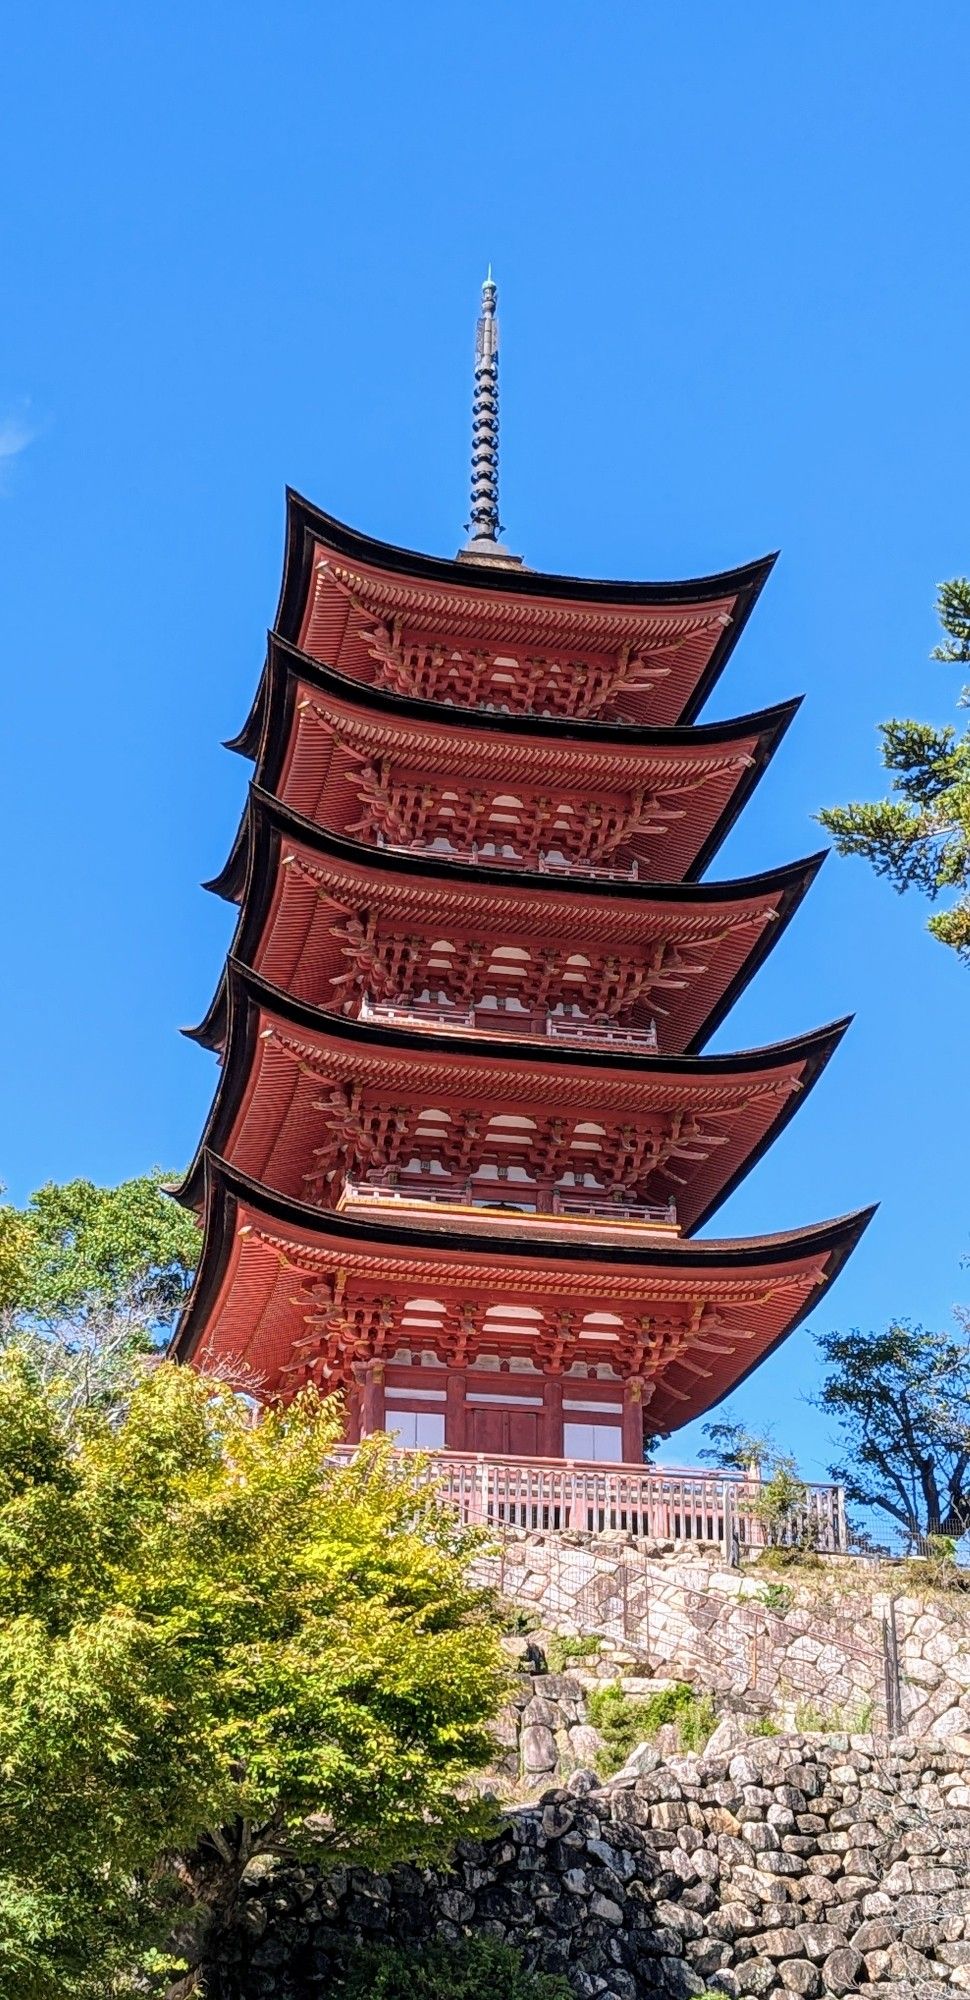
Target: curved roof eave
[[264, 807], [268, 820], [303, 518], [284, 659], [286, 664], [225, 1189], [306, 523], [247, 993]]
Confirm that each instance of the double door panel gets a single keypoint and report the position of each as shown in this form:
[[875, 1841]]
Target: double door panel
[[502, 1433]]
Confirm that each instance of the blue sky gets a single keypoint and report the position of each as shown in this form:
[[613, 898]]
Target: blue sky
[[243, 247]]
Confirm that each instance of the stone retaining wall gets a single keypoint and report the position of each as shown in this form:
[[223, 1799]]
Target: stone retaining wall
[[804, 1865], [763, 1641]]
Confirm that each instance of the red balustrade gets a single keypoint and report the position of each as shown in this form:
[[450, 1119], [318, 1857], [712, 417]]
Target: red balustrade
[[522, 1021], [657, 1503], [494, 1191]]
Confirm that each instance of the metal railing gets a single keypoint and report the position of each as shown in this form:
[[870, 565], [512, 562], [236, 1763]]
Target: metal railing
[[524, 1021], [656, 1503]]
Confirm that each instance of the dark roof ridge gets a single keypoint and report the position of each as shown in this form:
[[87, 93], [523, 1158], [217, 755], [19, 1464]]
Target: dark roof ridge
[[284, 658], [737, 1250], [285, 819], [764, 1055], [305, 522], [396, 560]]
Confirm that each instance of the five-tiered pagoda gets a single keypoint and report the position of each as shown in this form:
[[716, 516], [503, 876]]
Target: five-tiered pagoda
[[464, 1134]]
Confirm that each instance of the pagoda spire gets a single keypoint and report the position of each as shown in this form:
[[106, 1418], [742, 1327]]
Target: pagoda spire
[[484, 525]]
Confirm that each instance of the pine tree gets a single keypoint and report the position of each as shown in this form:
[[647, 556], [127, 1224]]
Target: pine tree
[[919, 837]]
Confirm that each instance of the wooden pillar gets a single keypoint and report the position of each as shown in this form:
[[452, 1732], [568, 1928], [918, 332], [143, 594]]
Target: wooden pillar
[[371, 1393], [352, 1399], [550, 1437], [632, 1422], [456, 1419]]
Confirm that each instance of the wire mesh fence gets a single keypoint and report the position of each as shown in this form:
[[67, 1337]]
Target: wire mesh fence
[[682, 1616]]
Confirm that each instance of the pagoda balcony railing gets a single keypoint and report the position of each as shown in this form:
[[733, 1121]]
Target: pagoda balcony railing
[[497, 1192], [526, 1022], [534, 864], [657, 1503]]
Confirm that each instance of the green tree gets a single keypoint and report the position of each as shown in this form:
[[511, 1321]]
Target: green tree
[[214, 1644], [734, 1448], [778, 1502], [902, 1401], [920, 837], [91, 1279]]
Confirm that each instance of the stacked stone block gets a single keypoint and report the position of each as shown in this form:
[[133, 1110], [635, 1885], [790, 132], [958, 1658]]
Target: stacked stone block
[[802, 1865]]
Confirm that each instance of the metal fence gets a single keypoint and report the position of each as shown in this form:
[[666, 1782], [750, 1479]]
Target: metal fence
[[666, 1620]]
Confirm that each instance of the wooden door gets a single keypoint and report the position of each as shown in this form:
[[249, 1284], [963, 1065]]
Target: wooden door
[[485, 1428], [503, 1432], [522, 1431]]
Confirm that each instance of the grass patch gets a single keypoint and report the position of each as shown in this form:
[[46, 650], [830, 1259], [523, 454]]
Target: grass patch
[[562, 1650], [799, 1557], [811, 1719], [625, 1720], [478, 1969], [765, 1726], [936, 1567]]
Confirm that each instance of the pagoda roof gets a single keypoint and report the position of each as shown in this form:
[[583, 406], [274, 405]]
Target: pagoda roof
[[268, 1262], [721, 761], [324, 559], [280, 1052], [294, 878]]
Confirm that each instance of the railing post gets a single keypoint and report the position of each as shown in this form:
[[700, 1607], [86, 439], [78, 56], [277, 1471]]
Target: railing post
[[729, 1510]]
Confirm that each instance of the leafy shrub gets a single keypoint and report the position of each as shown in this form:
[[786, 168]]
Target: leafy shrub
[[936, 1568], [520, 1620], [562, 1649], [625, 1720], [779, 1505], [208, 1632], [765, 1726], [777, 1597], [479, 1969]]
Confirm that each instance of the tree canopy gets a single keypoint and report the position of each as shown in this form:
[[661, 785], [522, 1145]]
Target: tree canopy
[[92, 1276], [735, 1448], [919, 837], [214, 1643], [77, 1249], [902, 1401]]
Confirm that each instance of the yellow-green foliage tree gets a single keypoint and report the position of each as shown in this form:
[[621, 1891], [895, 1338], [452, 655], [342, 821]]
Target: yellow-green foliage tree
[[213, 1644]]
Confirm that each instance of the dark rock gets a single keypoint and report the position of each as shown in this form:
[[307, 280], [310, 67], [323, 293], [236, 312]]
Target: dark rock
[[696, 1873]]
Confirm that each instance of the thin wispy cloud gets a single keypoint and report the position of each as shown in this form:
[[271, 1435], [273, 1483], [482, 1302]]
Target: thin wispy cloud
[[16, 433]]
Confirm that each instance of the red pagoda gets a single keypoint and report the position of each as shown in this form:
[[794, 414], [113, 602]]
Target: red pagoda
[[464, 1133]]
